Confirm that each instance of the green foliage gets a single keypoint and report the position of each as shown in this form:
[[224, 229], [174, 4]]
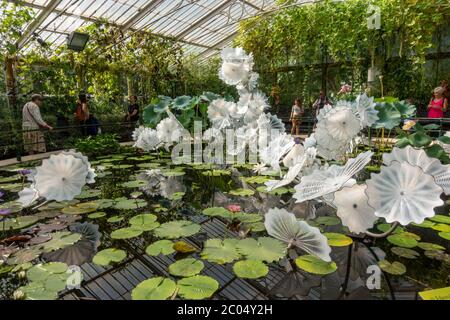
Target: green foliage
[[14, 18], [98, 146]]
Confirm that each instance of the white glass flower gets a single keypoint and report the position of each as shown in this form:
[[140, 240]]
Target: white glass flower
[[365, 108], [324, 182], [290, 176], [148, 140], [28, 196], [419, 158], [293, 156], [260, 168], [284, 226], [341, 124], [61, 177], [137, 132], [168, 131], [403, 193], [236, 66], [353, 208], [276, 149], [91, 175], [219, 113]]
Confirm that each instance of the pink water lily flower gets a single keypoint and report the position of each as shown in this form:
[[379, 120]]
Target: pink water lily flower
[[234, 208]]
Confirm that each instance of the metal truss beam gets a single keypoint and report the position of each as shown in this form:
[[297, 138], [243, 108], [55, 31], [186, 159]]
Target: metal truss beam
[[141, 14]]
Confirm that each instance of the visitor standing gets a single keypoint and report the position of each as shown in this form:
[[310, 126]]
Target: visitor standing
[[296, 116], [275, 99], [133, 110], [321, 102], [444, 84], [32, 123], [82, 112], [438, 104]]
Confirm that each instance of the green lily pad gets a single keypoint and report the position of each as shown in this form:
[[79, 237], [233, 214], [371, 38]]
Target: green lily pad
[[403, 241], [130, 204], [18, 223], [164, 247], [425, 224], [220, 251], [385, 227], [97, 215], [276, 192], [25, 255], [186, 268], [61, 240], [146, 222], [445, 235], [250, 269], [328, 221], [108, 256], [441, 219], [255, 226], [154, 289], [89, 193], [429, 246], [197, 287], [395, 268], [12, 206], [217, 212], [338, 239], [314, 265], [56, 282], [438, 255], [81, 208], [242, 192], [264, 249], [441, 227], [37, 291], [115, 219], [126, 233], [405, 253], [256, 179], [177, 229], [134, 184], [104, 203]]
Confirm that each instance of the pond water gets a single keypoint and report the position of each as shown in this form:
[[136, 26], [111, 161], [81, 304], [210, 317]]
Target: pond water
[[196, 231]]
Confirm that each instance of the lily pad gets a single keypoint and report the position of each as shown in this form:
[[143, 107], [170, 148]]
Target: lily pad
[[81, 208], [130, 204], [338, 239], [220, 251], [425, 224], [154, 289], [89, 193], [328, 221], [183, 247], [134, 184], [395, 268], [115, 219], [146, 222], [164, 247], [405, 252], [217, 212], [429, 246], [186, 268], [250, 269], [126, 233], [384, 227], [108, 256], [197, 287], [97, 215], [104, 203], [445, 235], [264, 249], [18, 223], [441, 227], [441, 219], [315, 265], [25, 255], [242, 192], [61, 240], [177, 229], [403, 241]]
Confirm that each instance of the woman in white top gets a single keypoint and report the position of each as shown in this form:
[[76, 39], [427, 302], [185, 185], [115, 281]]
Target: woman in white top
[[296, 116], [32, 122]]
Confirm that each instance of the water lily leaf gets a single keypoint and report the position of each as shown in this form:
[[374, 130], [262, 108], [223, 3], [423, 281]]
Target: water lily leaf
[[181, 103], [419, 139], [89, 193], [437, 255], [441, 219], [154, 289], [134, 184], [173, 173], [153, 115], [388, 116], [264, 249], [328, 221], [146, 222], [429, 246], [126, 233], [405, 253], [97, 215], [61, 240], [115, 219], [242, 192], [164, 247], [104, 203], [215, 172], [197, 287], [183, 247], [25, 255], [256, 179], [395, 268], [18, 223], [384, 227], [256, 226], [338, 239], [247, 217], [315, 265], [220, 251], [445, 235], [81, 208], [152, 165], [250, 269], [217, 212], [186, 268], [441, 227], [12, 206], [403, 241], [108, 256], [56, 282], [37, 291], [177, 229], [130, 204], [425, 224]]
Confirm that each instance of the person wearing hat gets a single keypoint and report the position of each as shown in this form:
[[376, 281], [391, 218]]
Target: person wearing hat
[[438, 104], [32, 122]]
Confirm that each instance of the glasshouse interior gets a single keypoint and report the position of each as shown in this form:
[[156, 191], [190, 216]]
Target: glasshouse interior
[[224, 150]]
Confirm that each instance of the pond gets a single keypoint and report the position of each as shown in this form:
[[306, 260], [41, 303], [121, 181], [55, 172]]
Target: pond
[[149, 229]]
